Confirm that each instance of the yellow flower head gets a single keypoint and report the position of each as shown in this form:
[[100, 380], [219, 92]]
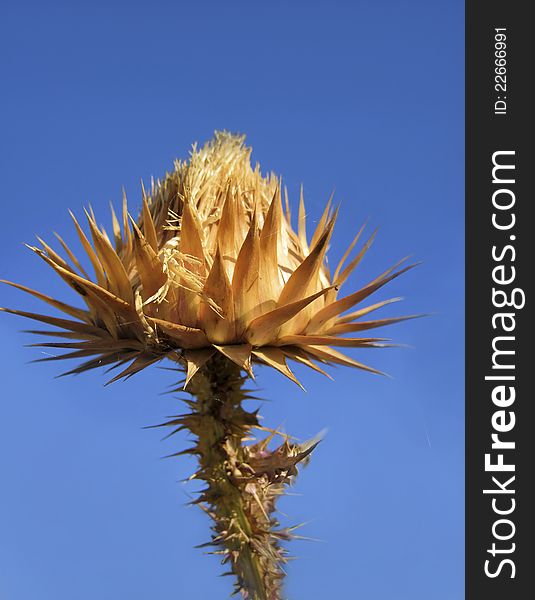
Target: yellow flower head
[[212, 265]]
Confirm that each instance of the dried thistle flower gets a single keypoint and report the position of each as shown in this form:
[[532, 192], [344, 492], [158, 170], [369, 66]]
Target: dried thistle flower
[[213, 276]]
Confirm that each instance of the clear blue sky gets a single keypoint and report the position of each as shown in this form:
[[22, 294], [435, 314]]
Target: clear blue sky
[[362, 97]]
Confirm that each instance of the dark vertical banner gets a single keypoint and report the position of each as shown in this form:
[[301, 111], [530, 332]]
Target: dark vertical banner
[[500, 259]]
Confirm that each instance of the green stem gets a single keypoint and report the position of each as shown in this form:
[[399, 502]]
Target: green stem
[[240, 503]]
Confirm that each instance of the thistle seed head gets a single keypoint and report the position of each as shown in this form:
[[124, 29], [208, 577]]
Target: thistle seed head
[[212, 265]]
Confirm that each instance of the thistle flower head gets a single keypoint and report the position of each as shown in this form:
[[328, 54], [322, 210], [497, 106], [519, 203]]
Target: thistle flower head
[[212, 265]]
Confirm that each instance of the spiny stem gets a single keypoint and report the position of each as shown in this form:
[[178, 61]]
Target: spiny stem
[[239, 500]]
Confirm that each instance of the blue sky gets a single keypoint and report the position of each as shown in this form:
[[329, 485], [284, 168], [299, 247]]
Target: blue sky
[[362, 97]]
